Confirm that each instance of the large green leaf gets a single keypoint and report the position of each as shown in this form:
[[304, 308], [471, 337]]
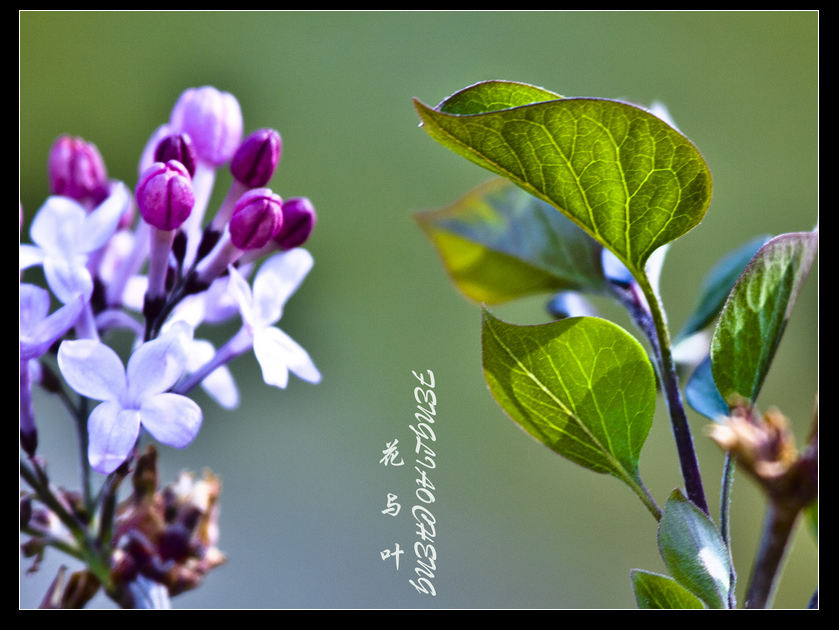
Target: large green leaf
[[661, 592], [625, 176], [498, 243], [694, 551], [716, 286], [582, 386], [754, 317]]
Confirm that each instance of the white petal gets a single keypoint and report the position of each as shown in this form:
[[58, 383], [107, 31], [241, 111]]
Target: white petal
[[68, 277], [654, 265], [241, 292], [57, 225], [29, 256], [157, 365], [112, 433], [276, 281], [171, 419], [99, 226], [92, 369], [221, 387], [277, 353]]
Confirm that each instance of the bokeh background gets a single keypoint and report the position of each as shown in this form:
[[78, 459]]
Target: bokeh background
[[517, 526]]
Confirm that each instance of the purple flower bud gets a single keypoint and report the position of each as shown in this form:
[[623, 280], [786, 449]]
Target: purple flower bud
[[177, 146], [257, 217], [164, 195], [76, 169], [298, 222], [213, 121], [257, 158]]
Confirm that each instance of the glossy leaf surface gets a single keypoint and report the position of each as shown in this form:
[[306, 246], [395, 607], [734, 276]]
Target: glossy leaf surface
[[694, 552], [499, 243], [582, 386], [754, 317], [717, 284], [629, 179], [653, 591]]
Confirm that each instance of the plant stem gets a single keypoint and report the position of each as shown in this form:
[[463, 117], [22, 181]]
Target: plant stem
[[725, 520], [777, 527], [673, 396]]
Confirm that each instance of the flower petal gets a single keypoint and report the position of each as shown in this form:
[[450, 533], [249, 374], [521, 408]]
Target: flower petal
[[57, 225], [278, 353], [29, 256], [68, 277], [157, 365], [112, 432], [92, 369], [171, 418], [99, 226], [34, 306], [47, 331], [276, 281]]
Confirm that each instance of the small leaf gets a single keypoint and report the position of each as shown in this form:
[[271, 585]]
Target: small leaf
[[661, 592], [693, 550], [498, 243], [702, 394], [754, 317], [811, 513], [622, 174], [582, 386], [717, 284]]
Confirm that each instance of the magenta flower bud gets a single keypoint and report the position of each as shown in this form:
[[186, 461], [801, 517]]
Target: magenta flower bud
[[213, 121], [257, 158], [257, 217], [76, 169], [299, 220], [164, 195], [177, 146]]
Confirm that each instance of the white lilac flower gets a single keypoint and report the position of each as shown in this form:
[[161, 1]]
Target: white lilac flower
[[64, 234], [275, 282], [134, 397]]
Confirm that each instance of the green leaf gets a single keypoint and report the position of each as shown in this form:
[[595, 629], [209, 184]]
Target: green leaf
[[716, 286], [753, 319], [661, 592], [694, 551], [582, 386], [701, 393], [626, 177], [811, 513], [498, 243]]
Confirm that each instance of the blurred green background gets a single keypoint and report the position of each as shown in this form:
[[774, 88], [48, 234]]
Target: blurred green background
[[304, 491]]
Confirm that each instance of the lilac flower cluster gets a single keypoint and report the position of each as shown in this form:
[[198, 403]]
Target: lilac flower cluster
[[93, 250], [84, 240]]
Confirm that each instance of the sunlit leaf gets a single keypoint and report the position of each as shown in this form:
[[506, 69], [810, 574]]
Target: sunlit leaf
[[716, 286], [694, 552], [754, 317], [499, 243], [629, 179], [661, 592], [582, 386]]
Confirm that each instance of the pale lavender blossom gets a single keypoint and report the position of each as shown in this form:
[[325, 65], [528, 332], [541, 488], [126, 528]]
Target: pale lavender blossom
[[275, 282], [65, 234], [134, 397]]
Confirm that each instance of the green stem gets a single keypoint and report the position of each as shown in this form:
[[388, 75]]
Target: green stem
[[673, 396], [725, 520]]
